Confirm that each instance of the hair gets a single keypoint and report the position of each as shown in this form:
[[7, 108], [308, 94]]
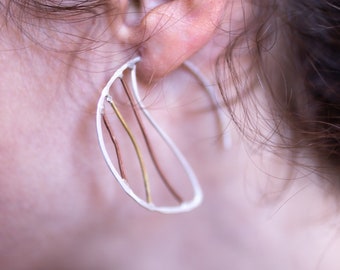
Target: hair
[[53, 9], [315, 33], [295, 57], [295, 53]]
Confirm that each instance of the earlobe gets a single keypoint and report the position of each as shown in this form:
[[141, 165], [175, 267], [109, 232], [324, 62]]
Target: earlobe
[[172, 32]]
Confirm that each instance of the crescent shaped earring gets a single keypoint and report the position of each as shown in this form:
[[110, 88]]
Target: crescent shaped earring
[[139, 110]]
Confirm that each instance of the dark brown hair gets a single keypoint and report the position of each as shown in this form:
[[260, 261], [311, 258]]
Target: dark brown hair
[[52, 9], [315, 37], [295, 53]]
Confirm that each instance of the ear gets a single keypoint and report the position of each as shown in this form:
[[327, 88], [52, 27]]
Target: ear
[[171, 32]]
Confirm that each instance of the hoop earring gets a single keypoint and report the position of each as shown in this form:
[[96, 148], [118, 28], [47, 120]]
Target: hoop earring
[[120, 176]]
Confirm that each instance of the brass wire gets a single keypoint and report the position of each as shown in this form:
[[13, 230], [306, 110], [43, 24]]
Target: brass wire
[[166, 182], [136, 147]]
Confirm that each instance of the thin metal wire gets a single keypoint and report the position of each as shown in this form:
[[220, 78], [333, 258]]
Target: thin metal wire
[[136, 147], [209, 89], [149, 145], [116, 145]]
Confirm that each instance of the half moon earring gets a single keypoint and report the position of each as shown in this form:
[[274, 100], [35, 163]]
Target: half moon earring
[[140, 111]]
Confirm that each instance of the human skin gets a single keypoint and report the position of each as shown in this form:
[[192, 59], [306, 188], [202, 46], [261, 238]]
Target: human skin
[[60, 207]]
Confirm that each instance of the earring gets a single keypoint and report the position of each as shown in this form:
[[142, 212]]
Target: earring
[[105, 97], [208, 87], [139, 109]]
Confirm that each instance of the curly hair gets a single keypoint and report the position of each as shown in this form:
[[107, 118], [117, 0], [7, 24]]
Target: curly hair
[[295, 56]]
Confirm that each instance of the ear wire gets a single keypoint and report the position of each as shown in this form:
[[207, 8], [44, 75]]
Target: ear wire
[[226, 136]]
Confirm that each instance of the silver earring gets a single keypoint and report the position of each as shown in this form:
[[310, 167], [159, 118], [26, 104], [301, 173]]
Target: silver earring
[[120, 176], [105, 97], [210, 90]]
